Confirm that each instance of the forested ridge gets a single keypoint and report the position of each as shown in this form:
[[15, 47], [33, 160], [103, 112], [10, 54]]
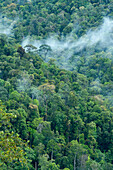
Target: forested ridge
[[56, 85]]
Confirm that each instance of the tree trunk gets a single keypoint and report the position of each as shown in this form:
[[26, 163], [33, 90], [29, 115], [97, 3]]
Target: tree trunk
[[35, 165], [45, 108], [75, 162], [52, 154]]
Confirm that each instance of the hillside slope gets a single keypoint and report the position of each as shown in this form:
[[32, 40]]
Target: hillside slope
[[56, 85]]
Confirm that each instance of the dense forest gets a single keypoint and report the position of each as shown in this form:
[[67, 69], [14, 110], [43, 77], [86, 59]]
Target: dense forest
[[56, 85]]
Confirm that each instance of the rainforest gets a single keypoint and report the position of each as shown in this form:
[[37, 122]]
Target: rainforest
[[56, 85]]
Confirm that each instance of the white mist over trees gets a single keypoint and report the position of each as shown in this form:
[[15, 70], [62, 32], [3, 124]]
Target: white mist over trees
[[56, 84], [6, 25], [70, 48], [71, 52]]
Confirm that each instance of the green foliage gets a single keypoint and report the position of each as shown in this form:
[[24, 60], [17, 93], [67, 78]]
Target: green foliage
[[52, 118], [45, 164], [12, 151]]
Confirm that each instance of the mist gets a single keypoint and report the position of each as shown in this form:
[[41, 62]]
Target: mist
[[6, 25], [68, 50], [24, 82]]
